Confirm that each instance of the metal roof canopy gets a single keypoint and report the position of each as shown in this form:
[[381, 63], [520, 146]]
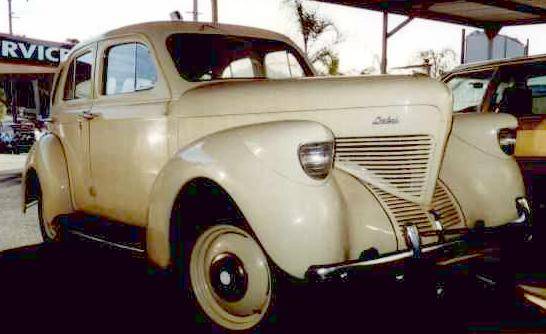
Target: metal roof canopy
[[489, 15]]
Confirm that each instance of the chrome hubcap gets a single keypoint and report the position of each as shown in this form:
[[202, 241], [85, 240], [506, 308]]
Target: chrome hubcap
[[228, 277]]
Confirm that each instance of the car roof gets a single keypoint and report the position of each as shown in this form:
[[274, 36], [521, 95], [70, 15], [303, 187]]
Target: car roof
[[496, 63], [189, 27]]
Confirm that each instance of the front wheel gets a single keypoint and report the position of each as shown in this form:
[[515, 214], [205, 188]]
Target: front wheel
[[230, 278]]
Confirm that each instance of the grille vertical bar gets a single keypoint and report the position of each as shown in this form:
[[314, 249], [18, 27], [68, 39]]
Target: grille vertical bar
[[407, 213]]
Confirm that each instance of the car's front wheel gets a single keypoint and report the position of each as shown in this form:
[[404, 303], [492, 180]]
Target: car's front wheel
[[229, 278]]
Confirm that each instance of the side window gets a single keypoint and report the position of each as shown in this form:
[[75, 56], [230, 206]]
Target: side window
[[128, 68], [522, 91], [82, 76], [78, 78], [146, 76], [69, 83], [538, 87], [282, 65], [120, 69], [56, 86]]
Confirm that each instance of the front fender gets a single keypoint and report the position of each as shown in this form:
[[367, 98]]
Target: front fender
[[485, 180], [298, 221], [47, 162]]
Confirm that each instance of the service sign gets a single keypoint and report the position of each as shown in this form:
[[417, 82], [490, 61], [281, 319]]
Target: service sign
[[20, 50]]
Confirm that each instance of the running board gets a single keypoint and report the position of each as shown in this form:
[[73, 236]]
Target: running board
[[108, 243], [98, 230], [30, 205]]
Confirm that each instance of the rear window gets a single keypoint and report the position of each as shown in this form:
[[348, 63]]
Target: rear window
[[206, 57]]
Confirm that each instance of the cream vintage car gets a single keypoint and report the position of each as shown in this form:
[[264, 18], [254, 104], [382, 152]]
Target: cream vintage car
[[216, 152]]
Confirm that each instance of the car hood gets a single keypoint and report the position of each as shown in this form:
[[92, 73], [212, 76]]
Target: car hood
[[266, 96]]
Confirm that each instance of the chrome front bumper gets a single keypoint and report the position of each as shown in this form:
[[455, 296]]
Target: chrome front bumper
[[469, 245]]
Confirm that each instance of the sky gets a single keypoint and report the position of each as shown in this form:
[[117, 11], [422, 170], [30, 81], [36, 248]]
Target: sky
[[360, 48]]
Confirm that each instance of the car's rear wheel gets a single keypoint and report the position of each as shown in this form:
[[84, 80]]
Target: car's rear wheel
[[51, 231]]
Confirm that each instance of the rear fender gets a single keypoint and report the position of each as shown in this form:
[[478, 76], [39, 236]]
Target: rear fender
[[47, 169]]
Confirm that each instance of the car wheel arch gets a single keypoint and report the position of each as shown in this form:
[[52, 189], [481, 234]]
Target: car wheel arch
[[197, 191], [31, 188], [47, 165]]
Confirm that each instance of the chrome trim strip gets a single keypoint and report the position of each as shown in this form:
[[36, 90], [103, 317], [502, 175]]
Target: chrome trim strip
[[30, 204], [106, 242], [460, 259], [486, 280]]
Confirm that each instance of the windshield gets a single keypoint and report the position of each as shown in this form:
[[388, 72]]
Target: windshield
[[206, 57], [469, 90]]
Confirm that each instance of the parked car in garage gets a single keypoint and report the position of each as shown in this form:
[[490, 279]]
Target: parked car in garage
[[229, 163], [517, 87]]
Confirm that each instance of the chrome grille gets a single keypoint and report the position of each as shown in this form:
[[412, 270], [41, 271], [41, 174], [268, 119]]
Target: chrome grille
[[399, 162], [404, 213], [446, 205]]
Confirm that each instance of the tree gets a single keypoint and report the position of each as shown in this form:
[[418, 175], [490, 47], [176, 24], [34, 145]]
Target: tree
[[373, 68], [315, 30], [440, 62], [329, 60]]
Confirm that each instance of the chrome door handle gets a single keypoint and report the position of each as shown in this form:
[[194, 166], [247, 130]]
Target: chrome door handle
[[89, 115]]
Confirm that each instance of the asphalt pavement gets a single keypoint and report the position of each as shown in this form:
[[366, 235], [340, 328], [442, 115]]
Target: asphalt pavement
[[76, 286], [16, 229]]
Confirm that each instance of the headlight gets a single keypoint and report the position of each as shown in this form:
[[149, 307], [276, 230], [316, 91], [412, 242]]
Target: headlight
[[317, 159], [507, 140]]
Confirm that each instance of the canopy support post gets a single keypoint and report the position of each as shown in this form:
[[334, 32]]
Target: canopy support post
[[10, 18], [214, 7], [463, 46], [387, 34], [195, 10], [385, 41], [491, 33]]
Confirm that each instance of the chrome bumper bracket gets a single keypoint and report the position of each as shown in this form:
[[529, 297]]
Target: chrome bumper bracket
[[444, 252]]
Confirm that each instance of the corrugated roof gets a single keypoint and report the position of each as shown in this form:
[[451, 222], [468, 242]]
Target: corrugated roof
[[477, 13]]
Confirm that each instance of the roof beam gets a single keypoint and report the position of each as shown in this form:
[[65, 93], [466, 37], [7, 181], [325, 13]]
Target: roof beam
[[513, 6], [408, 8], [400, 26], [420, 9]]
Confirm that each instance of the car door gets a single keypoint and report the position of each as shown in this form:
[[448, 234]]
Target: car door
[[128, 132], [72, 105]]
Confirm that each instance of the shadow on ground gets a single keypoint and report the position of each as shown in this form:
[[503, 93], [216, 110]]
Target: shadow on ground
[[75, 286]]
